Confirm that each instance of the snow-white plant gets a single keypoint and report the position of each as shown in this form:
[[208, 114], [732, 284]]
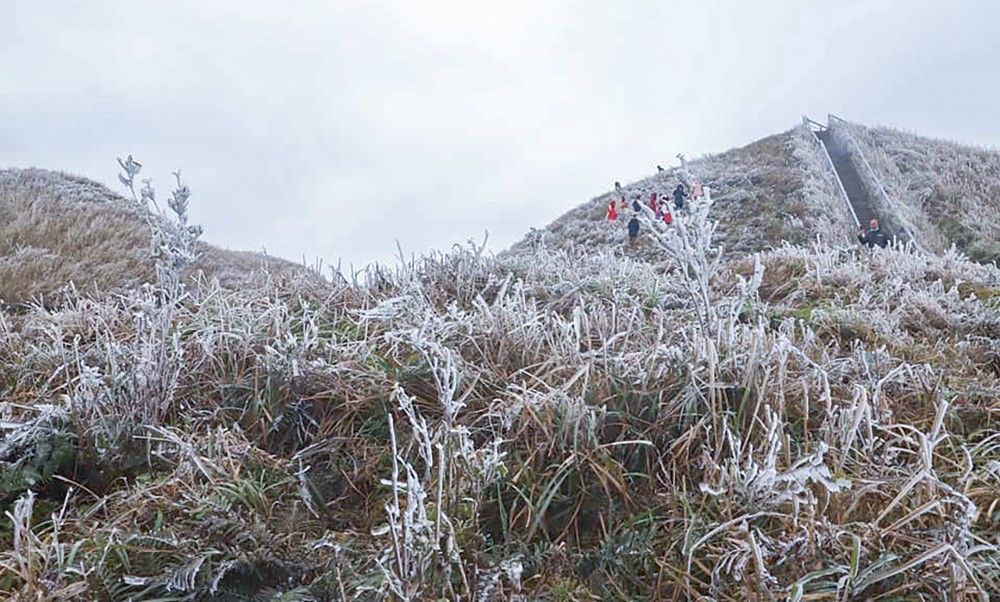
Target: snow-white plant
[[173, 241], [429, 508], [135, 383], [754, 479], [688, 242]]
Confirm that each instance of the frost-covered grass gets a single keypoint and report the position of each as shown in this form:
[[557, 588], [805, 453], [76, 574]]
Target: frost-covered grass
[[773, 190], [946, 192], [806, 423]]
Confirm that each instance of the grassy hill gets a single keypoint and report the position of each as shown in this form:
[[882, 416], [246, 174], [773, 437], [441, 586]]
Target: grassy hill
[[808, 422], [773, 190], [57, 228]]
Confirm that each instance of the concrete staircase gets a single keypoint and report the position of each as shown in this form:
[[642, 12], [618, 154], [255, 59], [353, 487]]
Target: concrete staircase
[[849, 178]]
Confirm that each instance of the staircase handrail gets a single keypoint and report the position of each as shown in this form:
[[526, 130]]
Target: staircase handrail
[[810, 122], [833, 170], [857, 148]]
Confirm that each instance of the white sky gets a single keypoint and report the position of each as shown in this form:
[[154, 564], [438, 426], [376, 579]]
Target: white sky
[[332, 128]]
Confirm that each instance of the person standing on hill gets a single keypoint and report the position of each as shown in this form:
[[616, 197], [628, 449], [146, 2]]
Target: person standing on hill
[[679, 195], [696, 190], [636, 206], [612, 214], [618, 187], [874, 236], [633, 229], [653, 204]]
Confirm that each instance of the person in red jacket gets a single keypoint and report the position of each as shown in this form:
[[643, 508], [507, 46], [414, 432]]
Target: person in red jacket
[[612, 213], [667, 218], [653, 204]]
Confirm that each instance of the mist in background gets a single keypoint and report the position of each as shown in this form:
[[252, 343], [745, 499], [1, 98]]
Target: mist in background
[[330, 130]]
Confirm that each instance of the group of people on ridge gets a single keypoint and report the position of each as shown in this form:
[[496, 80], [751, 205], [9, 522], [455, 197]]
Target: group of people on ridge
[[658, 204]]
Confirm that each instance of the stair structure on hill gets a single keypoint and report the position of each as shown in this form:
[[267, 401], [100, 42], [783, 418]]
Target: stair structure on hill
[[846, 173], [849, 178]]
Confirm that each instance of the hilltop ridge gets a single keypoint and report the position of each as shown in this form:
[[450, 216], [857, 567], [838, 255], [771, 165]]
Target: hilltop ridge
[[57, 228]]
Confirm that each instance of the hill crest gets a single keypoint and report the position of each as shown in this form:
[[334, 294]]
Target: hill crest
[[57, 228], [782, 188]]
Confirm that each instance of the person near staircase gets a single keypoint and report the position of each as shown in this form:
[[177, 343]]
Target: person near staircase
[[874, 236]]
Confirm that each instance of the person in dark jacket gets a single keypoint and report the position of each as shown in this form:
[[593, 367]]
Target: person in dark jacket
[[679, 195], [874, 236], [633, 229], [636, 205]]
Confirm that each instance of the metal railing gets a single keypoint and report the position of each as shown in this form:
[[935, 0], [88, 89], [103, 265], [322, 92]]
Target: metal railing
[[809, 122], [829, 162], [857, 149]]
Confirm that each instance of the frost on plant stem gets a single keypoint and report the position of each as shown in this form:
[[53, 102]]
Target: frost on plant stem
[[173, 241], [759, 483], [424, 525], [130, 169], [688, 241]]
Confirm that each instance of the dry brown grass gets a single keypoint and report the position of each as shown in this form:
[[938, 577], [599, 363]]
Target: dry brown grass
[[56, 228], [833, 438]]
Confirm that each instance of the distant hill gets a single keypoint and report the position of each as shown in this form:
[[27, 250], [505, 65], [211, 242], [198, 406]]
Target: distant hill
[[781, 189], [772, 190], [57, 228]]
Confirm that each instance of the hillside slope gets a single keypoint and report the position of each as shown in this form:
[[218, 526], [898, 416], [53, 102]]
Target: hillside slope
[[773, 190], [56, 228]]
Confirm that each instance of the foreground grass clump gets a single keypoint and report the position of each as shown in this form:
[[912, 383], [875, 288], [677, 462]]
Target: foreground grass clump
[[804, 424]]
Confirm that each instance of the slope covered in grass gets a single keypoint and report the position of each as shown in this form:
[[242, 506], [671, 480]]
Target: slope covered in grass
[[948, 193], [776, 189], [810, 422], [56, 228]]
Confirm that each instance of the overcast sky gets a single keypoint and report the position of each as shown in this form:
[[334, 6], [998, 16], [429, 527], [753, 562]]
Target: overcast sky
[[331, 128]]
